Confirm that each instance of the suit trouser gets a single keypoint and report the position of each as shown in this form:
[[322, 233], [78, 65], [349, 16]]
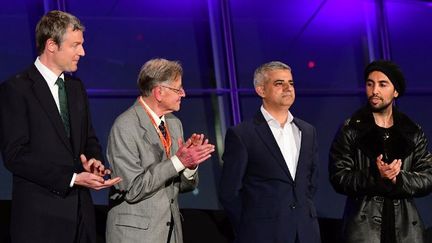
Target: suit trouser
[[82, 235]]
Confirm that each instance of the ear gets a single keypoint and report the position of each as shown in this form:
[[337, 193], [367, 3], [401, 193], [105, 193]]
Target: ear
[[396, 94], [50, 45], [260, 90], [157, 93]]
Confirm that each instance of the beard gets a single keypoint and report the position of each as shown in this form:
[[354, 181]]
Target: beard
[[381, 107]]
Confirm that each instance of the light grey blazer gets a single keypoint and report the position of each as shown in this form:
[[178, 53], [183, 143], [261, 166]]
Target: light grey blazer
[[141, 205]]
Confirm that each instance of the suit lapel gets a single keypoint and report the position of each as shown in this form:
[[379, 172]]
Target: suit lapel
[[175, 134], [304, 135], [268, 139], [147, 125], [74, 115], [43, 94]]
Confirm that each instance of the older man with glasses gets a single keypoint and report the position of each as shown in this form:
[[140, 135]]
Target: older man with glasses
[[146, 148]]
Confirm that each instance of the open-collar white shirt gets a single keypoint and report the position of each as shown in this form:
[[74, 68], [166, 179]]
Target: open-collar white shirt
[[288, 138]]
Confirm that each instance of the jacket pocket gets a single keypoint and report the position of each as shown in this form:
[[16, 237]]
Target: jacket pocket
[[132, 220]]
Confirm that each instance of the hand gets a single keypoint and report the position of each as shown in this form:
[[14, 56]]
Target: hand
[[93, 181], [94, 166], [197, 139], [195, 151], [389, 171]]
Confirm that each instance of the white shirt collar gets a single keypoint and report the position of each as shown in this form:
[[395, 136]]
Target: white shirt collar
[[49, 76], [271, 120], [153, 114]]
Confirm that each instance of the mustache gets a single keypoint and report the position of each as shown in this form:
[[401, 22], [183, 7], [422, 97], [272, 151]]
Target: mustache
[[374, 96]]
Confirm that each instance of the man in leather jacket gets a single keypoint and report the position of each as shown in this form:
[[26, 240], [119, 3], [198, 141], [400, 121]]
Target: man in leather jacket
[[379, 159]]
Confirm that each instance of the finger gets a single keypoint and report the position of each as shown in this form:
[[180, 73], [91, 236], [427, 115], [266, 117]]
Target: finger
[[394, 162], [93, 179], [83, 158], [180, 142], [201, 138], [111, 182], [195, 137], [207, 151], [99, 165], [400, 163], [379, 158], [90, 162], [188, 143], [199, 161]]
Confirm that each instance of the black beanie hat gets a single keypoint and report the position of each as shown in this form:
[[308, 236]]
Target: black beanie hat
[[391, 70]]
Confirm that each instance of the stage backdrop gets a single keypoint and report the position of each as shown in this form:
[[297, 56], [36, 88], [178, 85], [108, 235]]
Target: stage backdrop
[[220, 43]]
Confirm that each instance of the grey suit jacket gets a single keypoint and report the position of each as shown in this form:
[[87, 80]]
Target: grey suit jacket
[[141, 205]]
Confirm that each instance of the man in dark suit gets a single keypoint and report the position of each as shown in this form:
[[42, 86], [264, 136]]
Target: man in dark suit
[[270, 167], [46, 136]]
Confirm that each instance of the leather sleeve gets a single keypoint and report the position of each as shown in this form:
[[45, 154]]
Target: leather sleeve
[[417, 181], [348, 175]]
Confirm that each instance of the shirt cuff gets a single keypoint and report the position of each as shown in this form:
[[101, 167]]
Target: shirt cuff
[[189, 174], [73, 180], [177, 163]]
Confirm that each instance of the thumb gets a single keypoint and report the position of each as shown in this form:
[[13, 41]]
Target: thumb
[[83, 158], [180, 142]]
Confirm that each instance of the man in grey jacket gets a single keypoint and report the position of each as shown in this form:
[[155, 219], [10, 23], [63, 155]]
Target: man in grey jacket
[[146, 149]]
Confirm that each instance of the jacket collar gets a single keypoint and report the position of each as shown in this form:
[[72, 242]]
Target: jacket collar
[[43, 94], [264, 132], [368, 139]]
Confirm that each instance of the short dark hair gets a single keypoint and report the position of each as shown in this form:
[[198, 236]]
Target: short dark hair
[[157, 71], [54, 25]]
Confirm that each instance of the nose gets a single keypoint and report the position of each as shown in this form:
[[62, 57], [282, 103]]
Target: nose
[[287, 86], [182, 93], [375, 89], [81, 51]]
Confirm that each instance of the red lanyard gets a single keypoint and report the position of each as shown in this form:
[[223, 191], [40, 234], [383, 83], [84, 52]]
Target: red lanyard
[[166, 142]]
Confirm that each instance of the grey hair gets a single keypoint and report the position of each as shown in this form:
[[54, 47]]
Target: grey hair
[[260, 75], [54, 25], [155, 72]]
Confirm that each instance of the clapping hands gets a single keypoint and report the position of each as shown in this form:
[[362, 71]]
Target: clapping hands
[[194, 151], [93, 175]]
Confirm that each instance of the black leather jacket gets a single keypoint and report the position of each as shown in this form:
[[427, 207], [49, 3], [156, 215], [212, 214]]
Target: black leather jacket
[[353, 172]]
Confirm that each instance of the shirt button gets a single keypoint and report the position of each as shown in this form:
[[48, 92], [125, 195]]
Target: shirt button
[[293, 206]]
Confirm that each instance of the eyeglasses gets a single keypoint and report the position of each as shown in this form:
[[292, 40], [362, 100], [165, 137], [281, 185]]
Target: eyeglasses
[[177, 91]]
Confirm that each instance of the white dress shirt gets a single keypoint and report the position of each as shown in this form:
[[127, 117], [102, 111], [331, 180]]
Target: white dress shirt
[[51, 79], [288, 138]]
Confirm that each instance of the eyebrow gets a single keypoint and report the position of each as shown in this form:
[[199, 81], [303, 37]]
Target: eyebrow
[[379, 81]]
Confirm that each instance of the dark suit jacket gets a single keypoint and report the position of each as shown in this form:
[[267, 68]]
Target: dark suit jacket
[[42, 159], [261, 198]]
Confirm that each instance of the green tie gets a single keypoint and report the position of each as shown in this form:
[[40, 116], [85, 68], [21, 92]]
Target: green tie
[[64, 113]]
